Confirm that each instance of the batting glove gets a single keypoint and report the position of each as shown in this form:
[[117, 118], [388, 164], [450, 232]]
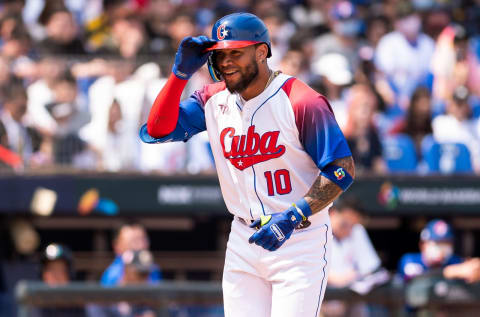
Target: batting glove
[[275, 229], [191, 55]]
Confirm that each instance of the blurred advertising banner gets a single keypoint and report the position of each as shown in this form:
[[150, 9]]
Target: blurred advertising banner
[[124, 194]]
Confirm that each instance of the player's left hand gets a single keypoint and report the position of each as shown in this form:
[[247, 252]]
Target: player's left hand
[[275, 229]]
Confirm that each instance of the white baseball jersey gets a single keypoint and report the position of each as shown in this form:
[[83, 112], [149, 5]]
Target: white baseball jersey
[[268, 152]]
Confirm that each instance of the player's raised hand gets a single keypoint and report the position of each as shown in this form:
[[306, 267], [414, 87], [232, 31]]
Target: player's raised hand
[[275, 229], [191, 55]]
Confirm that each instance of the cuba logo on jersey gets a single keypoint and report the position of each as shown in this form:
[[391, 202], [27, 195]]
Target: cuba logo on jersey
[[222, 32], [339, 173], [250, 149]]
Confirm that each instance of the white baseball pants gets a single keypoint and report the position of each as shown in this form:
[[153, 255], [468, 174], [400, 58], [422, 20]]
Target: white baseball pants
[[288, 282]]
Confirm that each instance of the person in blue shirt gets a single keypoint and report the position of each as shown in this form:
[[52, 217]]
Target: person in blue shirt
[[128, 237], [436, 253]]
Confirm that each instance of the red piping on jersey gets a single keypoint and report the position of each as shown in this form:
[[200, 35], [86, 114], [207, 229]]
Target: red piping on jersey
[[163, 116], [302, 93]]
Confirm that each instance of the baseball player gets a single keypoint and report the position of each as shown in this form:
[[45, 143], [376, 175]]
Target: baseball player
[[281, 160]]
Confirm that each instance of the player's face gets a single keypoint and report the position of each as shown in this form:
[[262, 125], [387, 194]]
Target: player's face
[[436, 252], [238, 67]]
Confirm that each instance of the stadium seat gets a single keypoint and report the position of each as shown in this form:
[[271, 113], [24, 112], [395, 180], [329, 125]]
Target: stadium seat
[[446, 158], [399, 154]]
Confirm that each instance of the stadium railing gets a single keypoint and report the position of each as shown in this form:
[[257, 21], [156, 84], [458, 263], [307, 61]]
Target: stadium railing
[[424, 294]]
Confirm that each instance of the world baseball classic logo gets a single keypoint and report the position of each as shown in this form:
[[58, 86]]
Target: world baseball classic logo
[[246, 150], [339, 173]]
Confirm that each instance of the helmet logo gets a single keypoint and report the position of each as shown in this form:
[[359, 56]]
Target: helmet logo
[[222, 32]]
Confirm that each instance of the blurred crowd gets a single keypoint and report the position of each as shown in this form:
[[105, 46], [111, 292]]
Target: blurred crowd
[[79, 76]]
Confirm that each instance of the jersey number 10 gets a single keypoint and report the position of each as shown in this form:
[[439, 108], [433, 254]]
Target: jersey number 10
[[280, 180]]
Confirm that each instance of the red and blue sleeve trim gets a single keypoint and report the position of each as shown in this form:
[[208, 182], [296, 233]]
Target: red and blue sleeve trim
[[318, 130]]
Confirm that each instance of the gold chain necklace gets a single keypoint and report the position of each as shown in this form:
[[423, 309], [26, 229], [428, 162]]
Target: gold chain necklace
[[273, 74]]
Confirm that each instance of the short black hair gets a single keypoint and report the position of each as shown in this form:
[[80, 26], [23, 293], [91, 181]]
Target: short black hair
[[348, 202], [13, 90], [118, 229]]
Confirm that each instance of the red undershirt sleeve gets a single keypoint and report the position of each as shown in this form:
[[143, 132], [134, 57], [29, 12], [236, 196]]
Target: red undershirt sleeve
[[163, 115]]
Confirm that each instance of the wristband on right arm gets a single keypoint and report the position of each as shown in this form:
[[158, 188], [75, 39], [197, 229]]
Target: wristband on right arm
[[303, 208]]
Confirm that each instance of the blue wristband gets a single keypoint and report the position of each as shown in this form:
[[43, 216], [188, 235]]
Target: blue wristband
[[303, 208], [338, 175]]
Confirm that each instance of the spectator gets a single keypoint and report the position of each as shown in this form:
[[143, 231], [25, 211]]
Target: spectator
[[360, 131], [3, 136], [99, 28], [454, 63], [437, 253], [8, 158], [458, 126], [69, 116], [57, 262], [113, 154], [40, 93], [344, 39], [15, 40], [182, 24], [353, 255], [5, 76], [311, 15], [157, 20], [128, 237], [22, 139], [376, 27], [436, 17], [138, 265], [418, 121], [280, 31], [117, 84], [57, 270], [62, 36], [402, 58], [293, 63], [128, 39], [335, 74], [353, 258]]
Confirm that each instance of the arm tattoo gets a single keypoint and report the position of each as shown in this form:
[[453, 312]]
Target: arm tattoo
[[324, 191]]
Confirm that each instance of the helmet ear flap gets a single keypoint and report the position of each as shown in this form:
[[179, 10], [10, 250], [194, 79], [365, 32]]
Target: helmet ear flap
[[212, 68]]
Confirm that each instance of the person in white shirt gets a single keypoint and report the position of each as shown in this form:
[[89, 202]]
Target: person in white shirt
[[403, 56], [353, 256], [458, 126], [19, 136]]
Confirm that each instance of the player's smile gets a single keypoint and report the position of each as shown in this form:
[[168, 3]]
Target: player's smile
[[229, 74]]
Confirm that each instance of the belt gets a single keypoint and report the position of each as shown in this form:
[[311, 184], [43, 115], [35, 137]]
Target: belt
[[247, 222]]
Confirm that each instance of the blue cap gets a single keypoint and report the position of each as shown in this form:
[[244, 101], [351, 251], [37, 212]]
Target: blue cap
[[437, 230]]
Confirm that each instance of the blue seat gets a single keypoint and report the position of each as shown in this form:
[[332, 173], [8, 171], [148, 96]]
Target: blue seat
[[446, 158], [399, 154]]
